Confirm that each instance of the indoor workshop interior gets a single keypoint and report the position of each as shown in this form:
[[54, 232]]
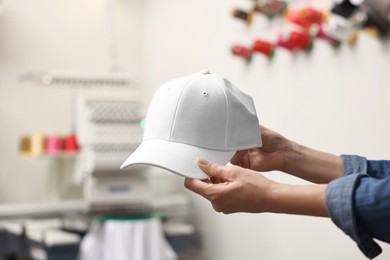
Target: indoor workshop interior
[[76, 81]]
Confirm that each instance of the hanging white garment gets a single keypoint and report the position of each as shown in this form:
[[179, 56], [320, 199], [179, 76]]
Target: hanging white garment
[[91, 247], [127, 240]]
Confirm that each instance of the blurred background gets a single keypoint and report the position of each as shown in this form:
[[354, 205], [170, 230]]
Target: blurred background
[[75, 81]]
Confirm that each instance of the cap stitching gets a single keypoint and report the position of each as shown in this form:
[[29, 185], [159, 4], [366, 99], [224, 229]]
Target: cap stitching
[[227, 111], [175, 114]]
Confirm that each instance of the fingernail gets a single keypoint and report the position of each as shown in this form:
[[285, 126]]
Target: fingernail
[[203, 162]]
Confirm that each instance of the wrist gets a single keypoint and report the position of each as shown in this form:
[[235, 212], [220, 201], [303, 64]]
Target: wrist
[[292, 153], [298, 199], [310, 164]]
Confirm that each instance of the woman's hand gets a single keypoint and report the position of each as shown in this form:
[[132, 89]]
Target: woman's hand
[[232, 189], [281, 154], [271, 156]]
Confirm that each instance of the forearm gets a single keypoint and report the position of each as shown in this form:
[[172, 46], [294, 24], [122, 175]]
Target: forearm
[[312, 165], [299, 199]]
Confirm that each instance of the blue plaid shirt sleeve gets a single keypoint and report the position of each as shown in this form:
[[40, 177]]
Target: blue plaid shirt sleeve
[[378, 169], [359, 202]]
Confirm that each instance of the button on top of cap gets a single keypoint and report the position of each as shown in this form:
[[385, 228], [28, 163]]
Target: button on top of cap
[[204, 72]]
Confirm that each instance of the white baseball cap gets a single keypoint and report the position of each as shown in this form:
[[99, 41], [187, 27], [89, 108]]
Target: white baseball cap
[[201, 115]]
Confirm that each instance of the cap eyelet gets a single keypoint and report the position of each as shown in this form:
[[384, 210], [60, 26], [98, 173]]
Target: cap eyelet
[[205, 94]]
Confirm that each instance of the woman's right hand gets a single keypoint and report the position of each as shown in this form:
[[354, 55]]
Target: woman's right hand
[[269, 157], [280, 154]]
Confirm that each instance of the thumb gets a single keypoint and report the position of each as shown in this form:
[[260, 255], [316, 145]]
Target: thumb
[[213, 169]]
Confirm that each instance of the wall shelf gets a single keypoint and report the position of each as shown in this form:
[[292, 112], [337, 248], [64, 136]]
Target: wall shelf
[[61, 155]]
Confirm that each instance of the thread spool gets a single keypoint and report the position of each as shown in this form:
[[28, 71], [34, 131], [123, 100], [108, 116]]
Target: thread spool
[[295, 41], [243, 15], [301, 40], [70, 144], [241, 51], [285, 42], [341, 29], [263, 47], [53, 144], [25, 145], [296, 17], [313, 16], [31, 145], [305, 17], [344, 9], [271, 8]]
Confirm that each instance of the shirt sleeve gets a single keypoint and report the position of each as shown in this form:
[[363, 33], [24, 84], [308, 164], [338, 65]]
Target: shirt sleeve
[[341, 203], [372, 206], [378, 169]]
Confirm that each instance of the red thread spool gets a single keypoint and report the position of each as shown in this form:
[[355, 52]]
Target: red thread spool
[[263, 47], [296, 17], [70, 144], [241, 51], [301, 40], [305, 17], [285, 42], [313, 16]]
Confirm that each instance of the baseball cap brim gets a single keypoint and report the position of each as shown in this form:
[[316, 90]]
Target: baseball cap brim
[[176, 157]]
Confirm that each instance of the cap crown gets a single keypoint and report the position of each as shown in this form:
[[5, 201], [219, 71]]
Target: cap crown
[[203, 110]]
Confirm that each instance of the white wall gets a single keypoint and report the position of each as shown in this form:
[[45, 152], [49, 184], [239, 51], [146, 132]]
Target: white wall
[[331, 100], [336, 101]]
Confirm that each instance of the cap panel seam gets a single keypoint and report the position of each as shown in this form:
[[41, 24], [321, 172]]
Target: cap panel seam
[[227, 111], [239, 98], [176, 109]]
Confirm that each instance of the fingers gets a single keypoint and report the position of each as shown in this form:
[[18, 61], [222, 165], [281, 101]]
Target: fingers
[[197, 186], [216, 180], [237, 158], [263, 128], [218, 174], [205, 189], [215, 170]]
